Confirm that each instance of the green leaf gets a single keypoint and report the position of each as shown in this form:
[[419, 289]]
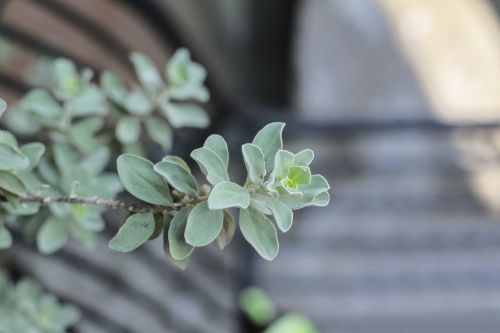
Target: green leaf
[[159, 132], [179, 249], [182, 264], [8, 138], [178, 160], [257, 306], [260, 232], [113, 87], [5, 238], [83, 132], [67, 78], [12, 184], [147, 73], [292, 323], [140, 179], [269, 139], [184, 115], [300, 174], [34, 152], [52, 236], [137, 103], [304, 157], [228, 194], [228, 229], [203, 225], [186, 77], [218, 145], [89, 102], [128, 130], [136, 230], [282, 162], [254, 162], [211, 165], [178, 177], [11, 158], [282, 214], [41, 103]]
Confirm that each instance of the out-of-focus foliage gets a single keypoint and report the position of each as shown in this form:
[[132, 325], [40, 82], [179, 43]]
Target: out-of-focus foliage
[[261, 311], [26, 308], [81, 122]]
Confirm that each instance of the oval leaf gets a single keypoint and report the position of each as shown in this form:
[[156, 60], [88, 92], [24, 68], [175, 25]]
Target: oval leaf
[[269, 139], [159, 132], [179, 249], [139, 178], [11, 158], [182, 264], [282, 214], [203, 225], [34, 152], [260, 232], [254, 162], [147, 72], [136, 230], [211, 165], [218, 145], [178, 177], [184, 115], [11, 183], [128, 130], [228, 194], [52, 236]]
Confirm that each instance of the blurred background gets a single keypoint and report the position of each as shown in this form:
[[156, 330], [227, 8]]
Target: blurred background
[[400, 99]]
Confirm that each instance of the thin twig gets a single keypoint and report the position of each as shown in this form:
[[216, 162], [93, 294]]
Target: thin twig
[[108, 203]]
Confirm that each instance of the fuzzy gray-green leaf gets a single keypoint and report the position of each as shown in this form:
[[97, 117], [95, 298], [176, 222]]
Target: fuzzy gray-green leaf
[[184, 115], [11, 158], [218, 145], [52, 236], [179, 249], [147, 72], [159, 132], [270, 140], [178, 177], [203, 225], [136, 230], [128, 130], [228, 194], [260, 232], [254, 162], [140, 179], [211, 165], [11, 183]]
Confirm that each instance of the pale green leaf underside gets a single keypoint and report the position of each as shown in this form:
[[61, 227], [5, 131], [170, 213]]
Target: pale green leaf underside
[[11, 158], [211, 165]]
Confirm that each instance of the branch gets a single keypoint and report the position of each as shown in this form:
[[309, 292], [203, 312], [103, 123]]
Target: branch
[[108, 203]]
